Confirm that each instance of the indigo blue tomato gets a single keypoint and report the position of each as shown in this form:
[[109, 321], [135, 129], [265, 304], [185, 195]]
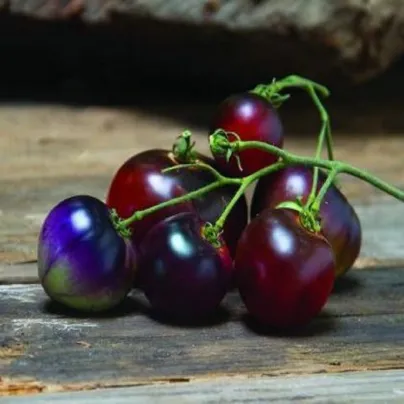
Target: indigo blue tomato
[[181, 273], [83, 262]]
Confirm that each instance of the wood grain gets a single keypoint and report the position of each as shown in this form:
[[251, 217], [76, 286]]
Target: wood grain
[[362, 328], [349, 387], [26, 272]]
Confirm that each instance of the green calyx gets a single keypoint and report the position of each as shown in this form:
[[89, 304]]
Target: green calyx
[[271, 93], [212, 234], [221, 146], [309, 218], [183, 148], [119, 224]]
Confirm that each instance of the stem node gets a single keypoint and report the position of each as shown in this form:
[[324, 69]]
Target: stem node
[[221, 146]]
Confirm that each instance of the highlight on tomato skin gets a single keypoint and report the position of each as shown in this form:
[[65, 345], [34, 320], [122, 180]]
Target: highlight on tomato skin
[[139, 183], [83, 263], [340, 223], [183, 275], [253, 118], [284, 272], [282, 258]]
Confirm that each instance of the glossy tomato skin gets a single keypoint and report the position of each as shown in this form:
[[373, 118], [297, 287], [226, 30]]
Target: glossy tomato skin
[[182, 275], [139, 184], [339, 221], [82, 262], [209, 206], [284, 273], [253, 118]]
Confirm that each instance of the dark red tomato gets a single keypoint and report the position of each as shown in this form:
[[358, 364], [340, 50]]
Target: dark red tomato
[[284, 273], [139, 184], [123, 193], [182, 275], [252, 117], [339, 221]]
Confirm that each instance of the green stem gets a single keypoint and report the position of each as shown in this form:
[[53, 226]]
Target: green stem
[[329, 141], [315, 206], [222, 219], [325, 133], [341, 167], [312, 195], [218, 144], [198, 164], [244, 184], [183, 147], [272, 93], [140, 214]]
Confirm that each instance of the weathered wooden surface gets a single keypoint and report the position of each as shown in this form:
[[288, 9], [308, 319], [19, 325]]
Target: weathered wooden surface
[[47, 154], [26, 272], [358, 387], [362, 328]]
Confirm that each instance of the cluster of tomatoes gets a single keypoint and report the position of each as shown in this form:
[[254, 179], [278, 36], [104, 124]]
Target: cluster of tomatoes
[[283, 271]]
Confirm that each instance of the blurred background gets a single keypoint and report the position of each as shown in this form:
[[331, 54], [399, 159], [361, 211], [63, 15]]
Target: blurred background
[[160, 54], [87, 83]]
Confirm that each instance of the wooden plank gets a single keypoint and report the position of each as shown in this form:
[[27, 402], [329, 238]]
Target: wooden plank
[[362, 328], [349, 387], [26, 272], [381, 225], [25, 205]]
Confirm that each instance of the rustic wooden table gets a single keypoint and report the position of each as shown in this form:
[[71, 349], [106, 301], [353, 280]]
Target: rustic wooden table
[[354, 351]]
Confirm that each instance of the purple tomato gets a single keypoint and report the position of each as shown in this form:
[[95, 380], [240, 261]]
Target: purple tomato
[[83, 262]]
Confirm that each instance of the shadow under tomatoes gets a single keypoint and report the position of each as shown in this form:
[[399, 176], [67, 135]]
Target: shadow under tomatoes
[[324, 324]]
